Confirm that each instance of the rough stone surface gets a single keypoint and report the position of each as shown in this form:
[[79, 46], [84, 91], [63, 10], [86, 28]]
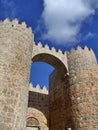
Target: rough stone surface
[[16, 43], [60, 105], [83, 90], [38, 106]]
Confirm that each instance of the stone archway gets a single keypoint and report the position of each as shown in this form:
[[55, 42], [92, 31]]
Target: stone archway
[[57, 59], [56, 83]]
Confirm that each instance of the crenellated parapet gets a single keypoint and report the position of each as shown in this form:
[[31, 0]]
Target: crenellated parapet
[[13, 30], [38, 89], [56, 58], [82, 59], [80, 49], [15, 24], [40, 47]]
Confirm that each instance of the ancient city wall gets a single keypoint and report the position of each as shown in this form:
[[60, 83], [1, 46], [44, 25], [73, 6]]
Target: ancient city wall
[[58, 60], [16, 43], [83, 90], [72, 101]]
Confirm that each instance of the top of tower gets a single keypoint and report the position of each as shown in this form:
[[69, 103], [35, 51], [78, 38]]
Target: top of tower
[[15, 24]]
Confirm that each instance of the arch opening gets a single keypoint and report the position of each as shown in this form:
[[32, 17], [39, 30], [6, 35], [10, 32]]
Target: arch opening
[[50, 59], [48, 103], [53, 63], [39, 74]]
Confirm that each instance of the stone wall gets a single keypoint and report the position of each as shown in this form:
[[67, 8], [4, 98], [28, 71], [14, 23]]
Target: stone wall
[[60, 106], [16, 43], [38, 105], [37, 114], [83, 90]]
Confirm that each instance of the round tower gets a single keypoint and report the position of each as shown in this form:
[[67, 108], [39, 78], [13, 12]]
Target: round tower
[[83, 79], [16, 42]]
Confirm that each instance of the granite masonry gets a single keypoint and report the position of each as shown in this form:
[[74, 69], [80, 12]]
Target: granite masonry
[[71, 103]]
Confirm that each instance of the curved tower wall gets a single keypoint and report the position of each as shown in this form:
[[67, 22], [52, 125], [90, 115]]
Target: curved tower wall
[[83, 90], [16, 42]]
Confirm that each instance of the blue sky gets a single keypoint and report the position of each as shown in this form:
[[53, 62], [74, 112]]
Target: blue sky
[[60, 23]]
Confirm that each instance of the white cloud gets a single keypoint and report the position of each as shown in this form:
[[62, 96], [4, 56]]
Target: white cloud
[[63, 19], [88, 36]]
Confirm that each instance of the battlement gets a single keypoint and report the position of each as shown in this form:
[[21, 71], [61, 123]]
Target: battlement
[[14, 24], [80, 49], [38, 89], [84, 55], [59, 58], [77, 49], [41, 46], [13, 33]]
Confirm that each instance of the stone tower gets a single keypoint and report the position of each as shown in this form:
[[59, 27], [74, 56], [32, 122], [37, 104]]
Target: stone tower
[[72, 101], [16, 43], [83, 88]]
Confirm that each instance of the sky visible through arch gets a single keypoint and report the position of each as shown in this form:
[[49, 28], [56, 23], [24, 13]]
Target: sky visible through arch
[[60, 23]]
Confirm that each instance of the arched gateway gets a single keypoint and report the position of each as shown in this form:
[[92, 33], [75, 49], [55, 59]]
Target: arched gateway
[[57, 81], [56, 58]]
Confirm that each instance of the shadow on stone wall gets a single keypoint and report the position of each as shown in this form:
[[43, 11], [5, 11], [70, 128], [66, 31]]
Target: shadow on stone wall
[[39, 101]]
